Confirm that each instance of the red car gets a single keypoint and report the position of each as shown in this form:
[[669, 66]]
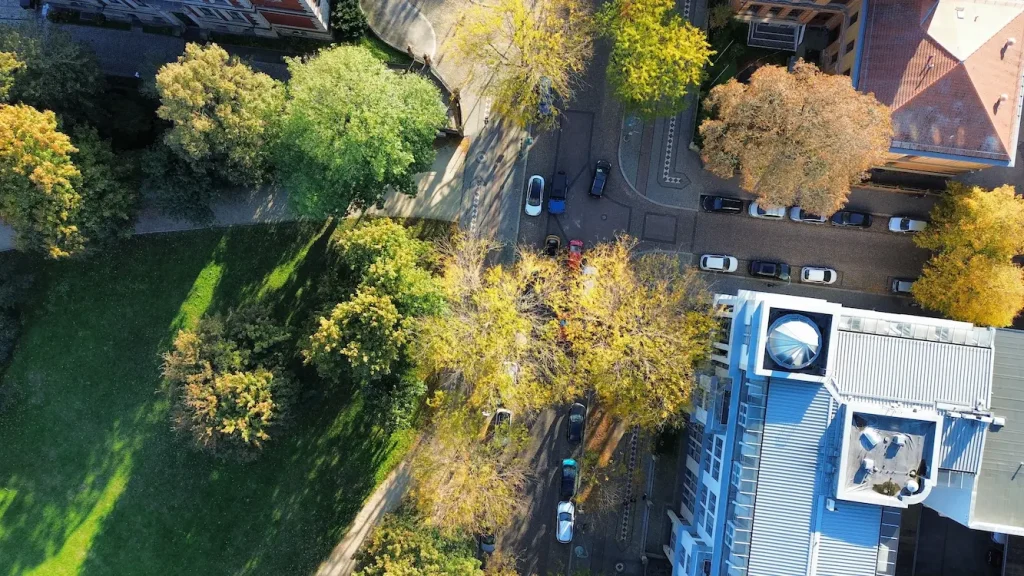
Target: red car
[[575, 254]]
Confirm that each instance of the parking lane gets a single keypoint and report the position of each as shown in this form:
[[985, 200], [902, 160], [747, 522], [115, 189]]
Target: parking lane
[[864, 259]]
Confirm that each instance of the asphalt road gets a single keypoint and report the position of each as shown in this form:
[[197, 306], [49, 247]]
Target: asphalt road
[[532, 538]]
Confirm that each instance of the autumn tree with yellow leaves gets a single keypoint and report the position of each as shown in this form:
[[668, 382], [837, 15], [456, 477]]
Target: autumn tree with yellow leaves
[[974, 234], [795, 138], [533, 53]]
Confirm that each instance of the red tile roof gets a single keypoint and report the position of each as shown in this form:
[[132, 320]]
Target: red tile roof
[[939, 103]]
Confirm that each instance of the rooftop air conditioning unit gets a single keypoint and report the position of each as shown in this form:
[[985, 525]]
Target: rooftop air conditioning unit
[[899, 440], [870, 437], [867, 464]]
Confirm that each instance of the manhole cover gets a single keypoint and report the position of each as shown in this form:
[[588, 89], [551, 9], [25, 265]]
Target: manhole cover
[[580, 552], [480, 157], [604, 216], [620, 567]]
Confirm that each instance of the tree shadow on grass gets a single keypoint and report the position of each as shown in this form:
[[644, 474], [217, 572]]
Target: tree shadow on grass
[[91, 473]]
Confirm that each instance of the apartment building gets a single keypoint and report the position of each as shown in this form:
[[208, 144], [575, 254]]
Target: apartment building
[[950, 70], [820, 424], [269, 18]]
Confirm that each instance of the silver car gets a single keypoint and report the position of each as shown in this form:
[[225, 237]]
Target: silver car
[[798, 214], [905, 225], [758, 211], [718, 263], [566, 518]]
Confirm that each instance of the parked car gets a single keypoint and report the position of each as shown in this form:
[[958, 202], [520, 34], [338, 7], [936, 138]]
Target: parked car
[[556, 200], [575, 253], [816, 275], [601, 173], [905, 225], [758, 211], [566, 519], [718, 263], [577, 423], [852, 218], [721, 204], [901, 285], [534, 195], [487, 543], [570, 479], [798, 214], [768, 269], [552, 243]]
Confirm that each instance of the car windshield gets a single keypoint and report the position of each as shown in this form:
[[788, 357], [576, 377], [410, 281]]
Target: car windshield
[[535, 191], [576, 418], [569, 471]]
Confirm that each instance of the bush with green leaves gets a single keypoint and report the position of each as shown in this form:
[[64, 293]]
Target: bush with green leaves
[[347, 20], [108, 187], [228, 384], [177, 188]]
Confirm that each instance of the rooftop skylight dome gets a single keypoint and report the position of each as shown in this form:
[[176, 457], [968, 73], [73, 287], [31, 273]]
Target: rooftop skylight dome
[[794, 342]]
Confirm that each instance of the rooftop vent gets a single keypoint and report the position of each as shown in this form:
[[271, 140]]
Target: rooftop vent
[[870, 438], [912, 486], [794, 342]]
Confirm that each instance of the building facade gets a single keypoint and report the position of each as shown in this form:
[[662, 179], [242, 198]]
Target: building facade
[[950, 70], [819, 424], [268, 18]]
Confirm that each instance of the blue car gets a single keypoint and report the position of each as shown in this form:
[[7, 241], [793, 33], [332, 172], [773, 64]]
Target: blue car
[[570, 479], [556, 201]]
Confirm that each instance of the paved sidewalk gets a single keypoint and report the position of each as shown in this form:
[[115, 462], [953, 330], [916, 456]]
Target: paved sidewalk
[[384, 499]]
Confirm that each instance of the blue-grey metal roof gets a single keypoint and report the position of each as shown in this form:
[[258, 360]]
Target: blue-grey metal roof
[[961, 443], [905, 369], [999, 494], [848, 544], [795, 420]]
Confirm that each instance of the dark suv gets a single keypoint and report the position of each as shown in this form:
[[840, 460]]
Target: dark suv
[[721, 204], [766, 269], [852, 219]]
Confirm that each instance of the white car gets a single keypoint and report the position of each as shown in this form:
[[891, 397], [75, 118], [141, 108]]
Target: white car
[[718, 263], [798, 214], [534, 195], [758, 211], [815, 275], [566, 520], [904, 225]]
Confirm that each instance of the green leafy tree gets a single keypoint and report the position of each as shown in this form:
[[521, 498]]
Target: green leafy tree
[[9, 64], [796, 138], [108, 188], [532, 53], [228, 385], [224, 114], [352, 130], [37, 177], [59, 74], [657, 57], [178, 189], [366, 333], [974, 235], [402, 545]]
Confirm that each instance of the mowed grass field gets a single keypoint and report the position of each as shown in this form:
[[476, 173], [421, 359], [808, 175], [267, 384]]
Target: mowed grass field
[[92, 478]]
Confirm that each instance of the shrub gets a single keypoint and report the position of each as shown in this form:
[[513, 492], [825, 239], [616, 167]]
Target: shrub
[[178, 190], [228, 384], [347, 20]]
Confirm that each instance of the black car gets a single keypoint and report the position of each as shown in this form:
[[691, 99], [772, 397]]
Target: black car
[[766, 269], [577, 423], [721, 204], [601, 173], [570, 480], [551, 244], [851, 218]]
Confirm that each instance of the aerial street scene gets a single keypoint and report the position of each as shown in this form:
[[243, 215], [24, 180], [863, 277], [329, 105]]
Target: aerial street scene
[[511, 288]]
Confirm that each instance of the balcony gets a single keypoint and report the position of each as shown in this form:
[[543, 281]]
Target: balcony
[[775, 35], [751, 416]]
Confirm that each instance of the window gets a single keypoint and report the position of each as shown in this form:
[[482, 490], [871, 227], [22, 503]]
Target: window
[[236, 16], [854, 18], [709, 518], [795, 13], [702, 509], [694, 440], [689, 490], [686, 561], [850, 46], [716, 458]]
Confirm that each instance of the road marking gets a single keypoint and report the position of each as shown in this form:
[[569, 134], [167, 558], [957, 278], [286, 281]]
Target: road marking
[[669, 142]]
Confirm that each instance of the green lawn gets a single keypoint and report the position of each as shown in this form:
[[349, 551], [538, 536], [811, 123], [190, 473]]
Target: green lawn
[[92, 479]]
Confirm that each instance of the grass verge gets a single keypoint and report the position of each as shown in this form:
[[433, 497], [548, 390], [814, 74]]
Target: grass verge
[[93, 481]]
